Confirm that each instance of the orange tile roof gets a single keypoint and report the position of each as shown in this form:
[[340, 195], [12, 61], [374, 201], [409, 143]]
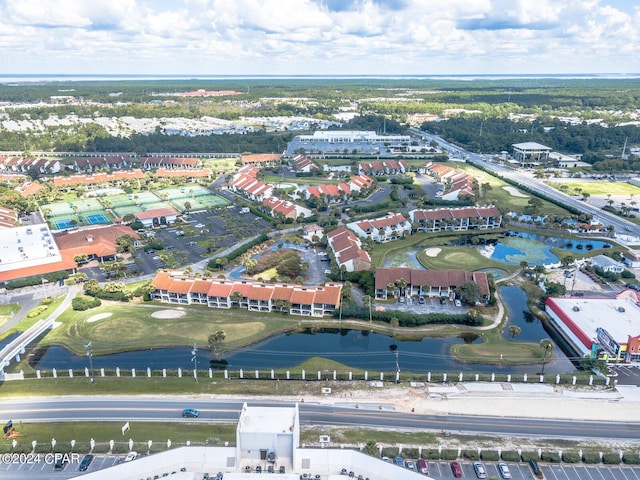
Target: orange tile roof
[[162, 281], [261, 292], [304, 297], [156, 212], [262, 157], [220, 290], [200, 286], [181, 286], [67, 263]]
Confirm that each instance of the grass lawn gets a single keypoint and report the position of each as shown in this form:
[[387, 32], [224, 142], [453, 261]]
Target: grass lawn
[[140, 432], [468, 258], [9, 309], [26, 323], [132, 327], [602, 188], [502, 198]]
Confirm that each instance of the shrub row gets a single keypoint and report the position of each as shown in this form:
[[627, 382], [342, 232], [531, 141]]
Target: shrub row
[[30, 281], [85, 303], [240, 250], [409, 319]]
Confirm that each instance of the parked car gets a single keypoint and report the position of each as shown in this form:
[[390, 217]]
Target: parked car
[[61, 463], [458, 303], [86, 461], [504, 470], [410, 464], [199, 225], [131, 456], [190, 413], [456, 469], [399, 461], [481, 472], [421, 300], [422, 466]]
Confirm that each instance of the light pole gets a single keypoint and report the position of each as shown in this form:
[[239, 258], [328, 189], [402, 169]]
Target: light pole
[[88, 347], [194, 359]]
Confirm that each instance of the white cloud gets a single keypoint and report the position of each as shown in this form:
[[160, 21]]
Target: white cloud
[[317, 36]]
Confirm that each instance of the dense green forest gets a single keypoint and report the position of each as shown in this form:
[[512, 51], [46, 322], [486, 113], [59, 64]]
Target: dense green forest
[[488, 124]]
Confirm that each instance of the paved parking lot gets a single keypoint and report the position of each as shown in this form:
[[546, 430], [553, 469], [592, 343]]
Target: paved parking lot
[[627, 374], [522, 471], [44, 468], [430, 305]]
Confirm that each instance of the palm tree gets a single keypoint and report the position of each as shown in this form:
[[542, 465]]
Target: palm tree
[[216, 338], [368, 302], [546, 345], [514, 330]]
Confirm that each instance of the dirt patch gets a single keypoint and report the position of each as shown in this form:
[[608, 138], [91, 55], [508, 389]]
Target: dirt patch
[[100, 316], [432, 252], [514, 192], [168, 314]]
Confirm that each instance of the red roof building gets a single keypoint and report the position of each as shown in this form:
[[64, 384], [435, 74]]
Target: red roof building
[[174, 287]]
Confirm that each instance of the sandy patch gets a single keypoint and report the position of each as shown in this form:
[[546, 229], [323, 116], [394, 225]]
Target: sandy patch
[[168, 314], [486, 250], [514, 192], [100, 316], [432, 252]]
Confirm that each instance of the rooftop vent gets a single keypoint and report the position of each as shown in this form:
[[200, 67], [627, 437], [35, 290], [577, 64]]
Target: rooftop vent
[[576, 308], [621, 309]]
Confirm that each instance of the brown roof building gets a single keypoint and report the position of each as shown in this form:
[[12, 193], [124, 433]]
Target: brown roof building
[[174, 287]]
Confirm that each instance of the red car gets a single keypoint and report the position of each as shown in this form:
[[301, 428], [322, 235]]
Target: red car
[[456, 469]]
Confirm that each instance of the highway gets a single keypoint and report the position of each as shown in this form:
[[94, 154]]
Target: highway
[[606, 218], [169, 409]]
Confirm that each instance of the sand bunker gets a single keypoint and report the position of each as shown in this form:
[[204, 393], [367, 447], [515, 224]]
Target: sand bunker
[[432, 252], [168, 314], [514, 192], [100, 316]]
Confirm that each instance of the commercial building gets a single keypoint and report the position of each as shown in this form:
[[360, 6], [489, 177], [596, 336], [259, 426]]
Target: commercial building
[[531, 154], [174, 287], [603, 328], [157, 217]]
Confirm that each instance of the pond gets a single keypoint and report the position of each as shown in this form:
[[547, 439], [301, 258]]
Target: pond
[[356, 348], [513, 249], [536, 249]]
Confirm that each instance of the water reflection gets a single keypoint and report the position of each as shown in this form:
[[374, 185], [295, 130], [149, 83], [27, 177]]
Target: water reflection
[[356, 348]]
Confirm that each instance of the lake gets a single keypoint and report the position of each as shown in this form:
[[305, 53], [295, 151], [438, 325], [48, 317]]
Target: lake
[[356, 348]]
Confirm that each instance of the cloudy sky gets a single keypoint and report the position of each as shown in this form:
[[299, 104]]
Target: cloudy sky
[[319, 37]]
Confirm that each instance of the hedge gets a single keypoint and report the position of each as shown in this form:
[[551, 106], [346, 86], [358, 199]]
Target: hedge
[[85, 303], [240, 250], [430, 454], [410, 452], [409, 319], [611, 458], [490, 456], [30, 281], [591, 457], [510, 456], [390, 452], [631, 459], [470, 454], [526, 456], [570, 457], [449, 454], [551, 457]]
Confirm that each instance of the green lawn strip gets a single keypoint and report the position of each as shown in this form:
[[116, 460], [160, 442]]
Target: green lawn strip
[[102, 432], [9, 309], [598, 188], [26, 323], [498, 350], [132, 327], [362, 436], [502, 198]]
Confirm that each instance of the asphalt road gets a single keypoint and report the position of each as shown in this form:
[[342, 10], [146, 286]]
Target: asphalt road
[[370, 415]]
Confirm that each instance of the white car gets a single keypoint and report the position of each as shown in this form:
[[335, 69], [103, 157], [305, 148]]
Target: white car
[[504, 470], [131, 456], [199, 225]]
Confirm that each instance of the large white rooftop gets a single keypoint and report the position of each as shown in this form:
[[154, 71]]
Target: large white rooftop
[[27, 246], [620, 316], [268, 419]]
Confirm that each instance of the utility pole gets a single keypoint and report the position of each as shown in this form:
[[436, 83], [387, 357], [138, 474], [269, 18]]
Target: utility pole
[[397, 366], [194, 359], [90, 355]]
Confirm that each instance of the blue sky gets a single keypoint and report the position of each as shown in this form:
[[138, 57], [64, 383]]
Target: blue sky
[[319, 37]]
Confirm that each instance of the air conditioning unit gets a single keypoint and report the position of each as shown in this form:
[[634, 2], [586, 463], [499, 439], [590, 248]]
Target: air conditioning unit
[[325, 439]]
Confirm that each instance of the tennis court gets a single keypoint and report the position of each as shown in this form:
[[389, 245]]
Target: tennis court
[[72, 208], [61, 224], [96, 218], [130, 210]]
